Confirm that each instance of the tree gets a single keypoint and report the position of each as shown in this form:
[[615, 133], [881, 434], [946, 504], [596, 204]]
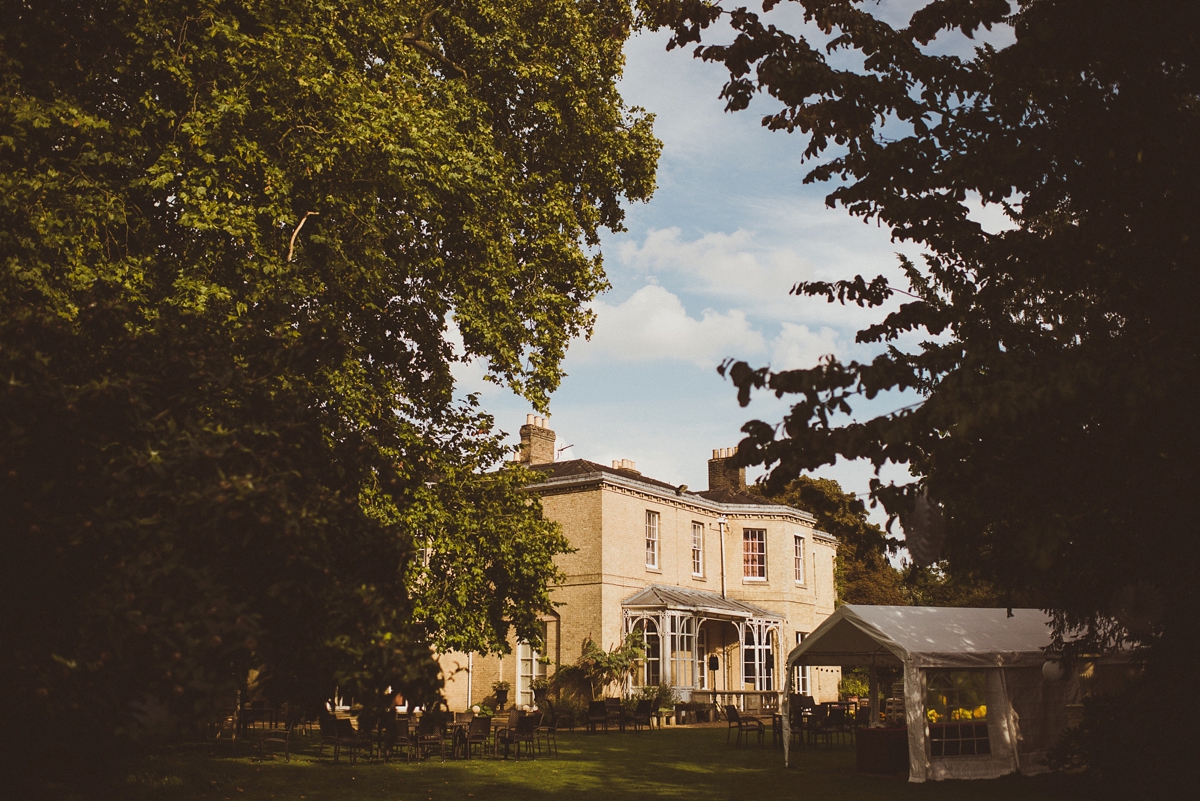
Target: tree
[[1055, 431], [597, 669], [862, 574], [236, 236]]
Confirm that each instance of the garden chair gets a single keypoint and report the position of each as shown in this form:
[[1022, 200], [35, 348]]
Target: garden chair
[[642, 714], [349, 738], [800, 709], [615, 712], [565, 719], [479, 732], [431, 733], [837, 722], [522, 731], [743, 724], [276, 736], [548, 730], [817, 724], [397, 734], [327, 729], [510, 725], [597, 715]]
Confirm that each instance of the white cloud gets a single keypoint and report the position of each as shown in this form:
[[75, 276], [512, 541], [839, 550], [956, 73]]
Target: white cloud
[[748, 270], [654, 325], [797, 347], [733, 267]]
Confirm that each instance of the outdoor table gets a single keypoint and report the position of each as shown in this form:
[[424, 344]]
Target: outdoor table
[[458, 735], [879, 750]]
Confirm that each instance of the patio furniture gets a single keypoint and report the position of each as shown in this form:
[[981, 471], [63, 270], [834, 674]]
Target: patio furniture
[[817, 724], [500, 731], [882, 751], [346, 736], [479, 733], [275, 737], [838, 723], [642, 714], [327, 729], [565, 720], [693, 712], [742, 724], [431, 733], [800, 710], [615, 711], [523, 730], [397, 734], [597, 715], [548, 730]]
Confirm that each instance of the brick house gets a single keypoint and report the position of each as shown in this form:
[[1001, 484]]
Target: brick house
[[721, 583]]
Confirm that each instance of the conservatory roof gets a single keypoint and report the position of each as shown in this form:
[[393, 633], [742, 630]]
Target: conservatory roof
[[661, 596]]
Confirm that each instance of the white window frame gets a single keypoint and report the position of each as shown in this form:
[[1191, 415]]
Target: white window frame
[[801, 680], [653, 540], [529, 667], [749, 557], [697, 549], [649, 672], [798, 546], [758, 658]]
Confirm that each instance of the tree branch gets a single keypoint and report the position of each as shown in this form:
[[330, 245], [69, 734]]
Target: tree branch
[[417, 40], [296, 233]]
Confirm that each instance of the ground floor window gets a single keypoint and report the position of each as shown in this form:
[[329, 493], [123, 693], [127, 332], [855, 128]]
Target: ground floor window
[[702, 659], [956, 707], [758, 658], [650, 671], [801, 682], [529, 668], [683, 657]]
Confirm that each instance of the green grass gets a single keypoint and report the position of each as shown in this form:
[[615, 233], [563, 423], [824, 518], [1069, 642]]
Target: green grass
[[692, 764]]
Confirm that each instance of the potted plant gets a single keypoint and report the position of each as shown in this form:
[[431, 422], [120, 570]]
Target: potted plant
[[541, 689], [500, 690]]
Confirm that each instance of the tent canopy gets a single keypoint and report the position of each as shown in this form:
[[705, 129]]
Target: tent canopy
[[924, 636]]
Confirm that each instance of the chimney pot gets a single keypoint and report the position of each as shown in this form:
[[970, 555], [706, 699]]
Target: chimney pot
[[724, 476], [537, 441]]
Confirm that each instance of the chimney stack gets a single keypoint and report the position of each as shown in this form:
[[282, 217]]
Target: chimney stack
[[626, 465], [722, 475], [537, 441]]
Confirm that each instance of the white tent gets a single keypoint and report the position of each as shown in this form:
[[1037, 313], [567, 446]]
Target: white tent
[[976, 702]]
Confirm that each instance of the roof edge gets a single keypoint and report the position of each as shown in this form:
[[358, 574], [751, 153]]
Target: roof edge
[[689, 498]]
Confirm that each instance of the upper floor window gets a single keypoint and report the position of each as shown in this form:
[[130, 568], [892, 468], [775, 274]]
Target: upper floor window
[[652, 539], [799, 546], [697, 549], [754, 553]]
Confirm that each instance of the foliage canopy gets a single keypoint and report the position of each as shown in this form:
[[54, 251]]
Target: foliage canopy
[[236, 236], [1059, 359]]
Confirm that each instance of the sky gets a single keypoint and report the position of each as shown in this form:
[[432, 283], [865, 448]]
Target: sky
[[702, 274]]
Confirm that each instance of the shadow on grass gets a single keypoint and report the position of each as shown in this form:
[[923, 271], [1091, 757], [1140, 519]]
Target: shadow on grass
[[694, 764]]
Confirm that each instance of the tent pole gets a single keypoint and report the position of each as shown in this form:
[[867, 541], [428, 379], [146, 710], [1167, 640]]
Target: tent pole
[[873, 694]]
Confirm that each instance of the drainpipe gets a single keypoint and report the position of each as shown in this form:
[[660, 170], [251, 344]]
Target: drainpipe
[[721, 521], [470, 679]]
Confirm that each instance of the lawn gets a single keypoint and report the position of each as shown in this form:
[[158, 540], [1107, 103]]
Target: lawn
[[690, 763]]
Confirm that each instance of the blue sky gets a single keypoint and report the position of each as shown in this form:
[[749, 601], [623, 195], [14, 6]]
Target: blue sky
[[702, 274]]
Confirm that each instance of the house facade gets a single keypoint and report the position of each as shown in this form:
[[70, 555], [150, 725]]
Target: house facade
[[721, 584]]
